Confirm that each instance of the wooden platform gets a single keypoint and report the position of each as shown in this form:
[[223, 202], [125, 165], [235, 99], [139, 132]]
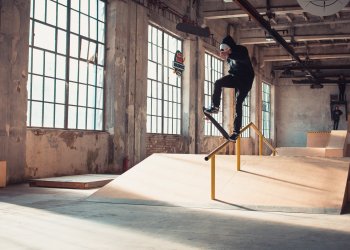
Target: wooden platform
[[86, 181], [323, 144], [288, 184]]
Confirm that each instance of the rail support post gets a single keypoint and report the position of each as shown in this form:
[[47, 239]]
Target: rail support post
[[238, 153], [212, 161]]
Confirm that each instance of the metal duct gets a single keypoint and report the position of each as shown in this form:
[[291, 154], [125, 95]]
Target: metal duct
[[253, 13]]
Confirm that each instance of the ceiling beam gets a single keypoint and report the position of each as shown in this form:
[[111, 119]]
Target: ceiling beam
[[281, 58], [254, 14], [322, 81], [216, 13], [297, 67], [302, 38]]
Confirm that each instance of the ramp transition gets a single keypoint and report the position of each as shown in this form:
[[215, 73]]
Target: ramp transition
[[287, 184]]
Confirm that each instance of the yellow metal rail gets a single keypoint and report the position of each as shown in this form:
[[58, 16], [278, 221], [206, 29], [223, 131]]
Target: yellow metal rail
[[212, 154]]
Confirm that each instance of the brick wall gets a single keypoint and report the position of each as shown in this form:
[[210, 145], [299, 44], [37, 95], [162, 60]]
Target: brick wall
[[160, 143]]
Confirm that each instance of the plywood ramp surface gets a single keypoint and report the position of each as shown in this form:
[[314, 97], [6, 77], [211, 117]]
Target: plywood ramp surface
[[85, 181], [337, 139], [290, 184], [301, 151]]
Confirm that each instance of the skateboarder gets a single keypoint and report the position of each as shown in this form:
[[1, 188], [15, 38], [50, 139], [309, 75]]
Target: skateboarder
[[240, 77], [336, 117], [341, 86]]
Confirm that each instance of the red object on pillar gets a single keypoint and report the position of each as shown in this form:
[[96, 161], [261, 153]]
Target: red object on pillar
[[125, 164]]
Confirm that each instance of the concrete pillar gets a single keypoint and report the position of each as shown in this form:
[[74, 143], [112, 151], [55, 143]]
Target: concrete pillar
[[2, 173], [126, 81], [191, 96], [14, 45]]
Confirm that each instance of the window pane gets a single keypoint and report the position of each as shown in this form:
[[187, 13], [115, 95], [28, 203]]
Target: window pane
[[90, 119], [50, 64], [62, 14], [40, 10], [36, 114], [61, 67], [73, 93], [37, 88], [72, 117], [93, 8], [60, 91], [82, 95], [91, 96], [45, 36], [99, 119], [73, 70], [74, 23], [59, 116], [74, 45], [83, 71], [61, 42], [51, 13], [38, 61], [81, 118], [49, 114], [49, 89]]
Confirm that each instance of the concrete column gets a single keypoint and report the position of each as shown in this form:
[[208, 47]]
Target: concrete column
[[126, 80], [14, 45], [191, 95]]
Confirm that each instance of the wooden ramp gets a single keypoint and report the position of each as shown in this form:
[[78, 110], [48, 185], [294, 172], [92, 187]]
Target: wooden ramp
[[323, 144], [85, 181], [288, 184]]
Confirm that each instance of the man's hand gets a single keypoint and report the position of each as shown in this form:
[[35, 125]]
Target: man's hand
[[224, 54]]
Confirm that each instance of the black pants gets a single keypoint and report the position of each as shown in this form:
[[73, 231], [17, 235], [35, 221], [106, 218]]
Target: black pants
[[341, 92], [335, 125], [242, 87]]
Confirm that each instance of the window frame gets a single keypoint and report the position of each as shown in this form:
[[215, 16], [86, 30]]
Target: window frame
[[246, 115], [209, 80], [266, 110], [94, 109], [164, 101]]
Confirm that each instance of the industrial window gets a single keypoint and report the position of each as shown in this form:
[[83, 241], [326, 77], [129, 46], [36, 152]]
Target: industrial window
[[266, 110], [213, 71], [163, 85], [246, 116], [66, 64]]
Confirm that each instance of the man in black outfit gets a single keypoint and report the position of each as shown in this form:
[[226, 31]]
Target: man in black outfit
[[240, 77], [336, 117]]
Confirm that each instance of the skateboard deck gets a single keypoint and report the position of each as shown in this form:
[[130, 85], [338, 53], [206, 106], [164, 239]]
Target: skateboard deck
[[217, 125], [193, 29]]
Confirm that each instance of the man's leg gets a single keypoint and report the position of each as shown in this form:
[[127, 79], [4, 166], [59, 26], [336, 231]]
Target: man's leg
[[239, 106], [224, 82]]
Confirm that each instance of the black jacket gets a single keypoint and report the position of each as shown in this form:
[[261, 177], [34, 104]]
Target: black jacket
[[239, 60]]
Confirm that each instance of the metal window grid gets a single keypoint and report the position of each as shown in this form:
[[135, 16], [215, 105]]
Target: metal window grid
[[246, 116], [66, 64], [266, 110], [164, 90], [213, 71]]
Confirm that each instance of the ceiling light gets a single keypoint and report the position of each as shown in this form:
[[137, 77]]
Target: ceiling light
[[228, 1]]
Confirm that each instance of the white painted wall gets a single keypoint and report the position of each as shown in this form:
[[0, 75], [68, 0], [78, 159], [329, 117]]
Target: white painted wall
[[300, 109]]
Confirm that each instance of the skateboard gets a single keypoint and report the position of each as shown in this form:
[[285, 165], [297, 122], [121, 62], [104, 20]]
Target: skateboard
[[217, 125], [193, 29]]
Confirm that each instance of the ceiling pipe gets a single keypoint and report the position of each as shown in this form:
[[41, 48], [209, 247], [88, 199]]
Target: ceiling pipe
[[253, 13], [328, 81], [315, 67]]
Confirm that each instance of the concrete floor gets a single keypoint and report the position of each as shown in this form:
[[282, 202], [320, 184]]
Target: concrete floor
[[43, 218]]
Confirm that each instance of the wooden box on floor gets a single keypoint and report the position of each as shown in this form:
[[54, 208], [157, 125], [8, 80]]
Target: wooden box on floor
[[2, 173]]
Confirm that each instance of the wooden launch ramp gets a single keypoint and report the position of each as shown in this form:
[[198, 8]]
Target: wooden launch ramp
[[265, 183]]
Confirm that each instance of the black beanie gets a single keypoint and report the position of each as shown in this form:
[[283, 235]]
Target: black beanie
[[229, 41]]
